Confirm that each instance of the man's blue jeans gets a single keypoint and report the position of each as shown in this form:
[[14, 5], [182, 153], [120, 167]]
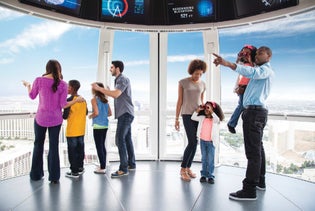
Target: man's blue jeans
[[75, 152], [124, 142], [207, 158], [37, 171], [237, 112]]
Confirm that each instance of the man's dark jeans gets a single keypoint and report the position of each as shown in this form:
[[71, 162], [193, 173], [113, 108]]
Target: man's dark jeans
[[254, 121]]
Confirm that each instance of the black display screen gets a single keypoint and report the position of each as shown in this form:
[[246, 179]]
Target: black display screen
[[253, 7], [71, 7], [191, 11], [124, 11]]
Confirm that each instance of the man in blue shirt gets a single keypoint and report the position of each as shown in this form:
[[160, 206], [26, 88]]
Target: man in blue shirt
[[124, 113], [254, 119]]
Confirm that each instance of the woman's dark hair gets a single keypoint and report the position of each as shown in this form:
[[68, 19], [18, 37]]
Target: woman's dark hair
[[75, 84], [100, 94], [53, 67], [118, 64], [216, 109], [197, 64]]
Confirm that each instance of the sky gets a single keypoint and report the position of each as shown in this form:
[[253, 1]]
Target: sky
[[28, 42]]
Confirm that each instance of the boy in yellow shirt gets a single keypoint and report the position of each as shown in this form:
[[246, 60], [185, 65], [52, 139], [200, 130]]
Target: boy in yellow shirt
[[76, 121]]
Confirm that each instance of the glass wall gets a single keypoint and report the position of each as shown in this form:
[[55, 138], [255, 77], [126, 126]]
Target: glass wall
[[182, 48], [288, 138], [134, 51]]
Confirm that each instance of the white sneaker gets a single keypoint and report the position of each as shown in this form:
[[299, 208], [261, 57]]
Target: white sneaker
[[100, 171]]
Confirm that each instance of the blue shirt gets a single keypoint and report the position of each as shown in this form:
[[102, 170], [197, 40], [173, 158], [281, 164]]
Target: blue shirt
[[258, 88], [123, 104], [102, 118]]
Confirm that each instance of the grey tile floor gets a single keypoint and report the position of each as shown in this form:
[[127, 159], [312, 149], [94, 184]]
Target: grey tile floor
[[154, 185]]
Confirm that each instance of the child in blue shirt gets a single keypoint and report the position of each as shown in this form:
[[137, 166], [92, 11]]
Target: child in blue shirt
[[100, 113]]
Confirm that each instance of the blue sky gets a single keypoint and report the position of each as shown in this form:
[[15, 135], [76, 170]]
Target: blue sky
[[27, 43]]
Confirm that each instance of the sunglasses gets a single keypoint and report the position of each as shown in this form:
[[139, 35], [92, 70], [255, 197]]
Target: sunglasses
[[243, 54], [249, 47]]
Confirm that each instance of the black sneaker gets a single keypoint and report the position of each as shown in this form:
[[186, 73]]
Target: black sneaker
[[131, 168], [81, 171], [72, 175], [243, 196], [211, 180], [231, 129], [261, 186], [203, 179]]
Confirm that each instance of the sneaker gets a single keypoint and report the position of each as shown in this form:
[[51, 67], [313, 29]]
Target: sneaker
[[131, 168], [211, 180], [243, 196], [231, 129], [72, 175], [54, 182], [261, 187], [100, 171], [203, 179], [119, 174], [81, 171]]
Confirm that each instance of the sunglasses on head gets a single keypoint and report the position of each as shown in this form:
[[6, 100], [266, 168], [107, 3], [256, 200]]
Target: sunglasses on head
[[249, 47], [207, 106]]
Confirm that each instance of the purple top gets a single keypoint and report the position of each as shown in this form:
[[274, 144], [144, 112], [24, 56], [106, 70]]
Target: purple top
[[49, 111]]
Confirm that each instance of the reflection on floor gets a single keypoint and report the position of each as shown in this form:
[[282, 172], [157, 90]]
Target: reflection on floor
[[154, 185]]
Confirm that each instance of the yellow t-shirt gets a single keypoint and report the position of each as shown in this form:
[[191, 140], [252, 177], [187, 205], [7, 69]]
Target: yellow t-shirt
[[77, 120]]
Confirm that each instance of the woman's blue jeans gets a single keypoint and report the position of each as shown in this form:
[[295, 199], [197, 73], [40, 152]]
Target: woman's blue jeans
[[191, 132], [37, 171]]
